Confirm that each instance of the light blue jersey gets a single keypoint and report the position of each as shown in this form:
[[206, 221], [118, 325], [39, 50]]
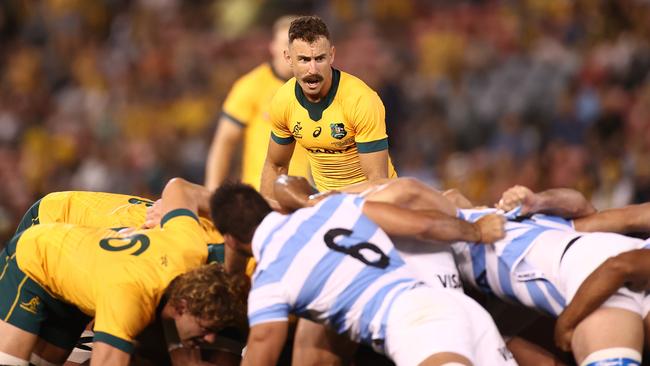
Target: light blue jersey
[[329, 263], [500, 268]]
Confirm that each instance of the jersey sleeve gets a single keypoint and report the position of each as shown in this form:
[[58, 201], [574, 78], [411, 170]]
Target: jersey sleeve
[[268, 302], [184, 225], [369, 117], [241, 103], [122, 312], [280, 132]]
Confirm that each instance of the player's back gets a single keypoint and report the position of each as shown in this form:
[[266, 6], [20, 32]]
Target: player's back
[[79, 263], [329, 263]]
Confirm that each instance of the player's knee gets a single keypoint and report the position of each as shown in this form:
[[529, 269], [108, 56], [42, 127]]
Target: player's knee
[[617, 356], [7, 359]]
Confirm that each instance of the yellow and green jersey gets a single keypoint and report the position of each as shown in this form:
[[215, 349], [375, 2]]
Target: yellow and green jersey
[[100, 210], [347, 122], [248, 105], [119, 280]]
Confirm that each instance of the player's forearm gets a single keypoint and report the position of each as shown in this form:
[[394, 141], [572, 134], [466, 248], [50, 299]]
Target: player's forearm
[[220, 156], [179, 192], [593, 292], [628, 219], [217, 166], [270, 173], [563, 202], [447, 228]]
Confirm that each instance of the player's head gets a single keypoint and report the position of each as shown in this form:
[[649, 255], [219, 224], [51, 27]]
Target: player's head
[[311, 55], [279, 44], [237, 209], [205, 300]]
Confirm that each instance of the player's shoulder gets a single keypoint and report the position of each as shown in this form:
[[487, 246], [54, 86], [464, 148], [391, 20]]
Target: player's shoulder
[[260, 74], [351, 85], [287, 91]]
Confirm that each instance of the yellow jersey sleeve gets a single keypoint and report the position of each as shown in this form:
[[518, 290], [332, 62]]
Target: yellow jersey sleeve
[[369, 118], [122, 312], [280, 118], [240, 105]]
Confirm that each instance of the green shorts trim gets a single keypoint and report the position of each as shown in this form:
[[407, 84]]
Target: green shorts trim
[[114, 341], [26, 305]]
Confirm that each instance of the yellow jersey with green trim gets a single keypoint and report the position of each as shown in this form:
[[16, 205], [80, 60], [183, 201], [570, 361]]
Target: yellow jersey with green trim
[[248, 105], [102, 210], [96, 209], [348, 121], [119, 280]]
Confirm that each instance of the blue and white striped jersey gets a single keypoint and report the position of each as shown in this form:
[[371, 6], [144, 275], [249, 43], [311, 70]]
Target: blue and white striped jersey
[[329, 263], [499, 268]]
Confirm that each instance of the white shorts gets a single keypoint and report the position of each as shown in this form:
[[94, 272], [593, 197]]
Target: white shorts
[[433, 263], [567, 269], [425, 321]]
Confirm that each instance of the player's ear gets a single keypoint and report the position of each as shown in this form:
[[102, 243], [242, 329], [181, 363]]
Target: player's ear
[[180, 307], [287, 57], [332, 53]]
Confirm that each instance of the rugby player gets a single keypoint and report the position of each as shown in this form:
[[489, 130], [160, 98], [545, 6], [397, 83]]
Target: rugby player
[[337, 118], [136, 277], [245, 118]]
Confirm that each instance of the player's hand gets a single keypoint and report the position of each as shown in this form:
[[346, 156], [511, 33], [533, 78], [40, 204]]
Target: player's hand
[[515, 196], [563, 333], [153, 215], [491, 228]]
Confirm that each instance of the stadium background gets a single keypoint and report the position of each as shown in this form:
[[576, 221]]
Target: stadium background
[[120, 95]]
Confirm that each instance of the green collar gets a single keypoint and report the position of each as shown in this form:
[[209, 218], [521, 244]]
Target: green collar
[[316, 109]]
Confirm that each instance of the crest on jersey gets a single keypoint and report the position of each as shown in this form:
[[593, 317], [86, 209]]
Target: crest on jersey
[[296, 131], [31, 305], [338, 130]]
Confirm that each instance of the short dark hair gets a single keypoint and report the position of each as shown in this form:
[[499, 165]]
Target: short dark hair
[[308, 29], [237, 209]]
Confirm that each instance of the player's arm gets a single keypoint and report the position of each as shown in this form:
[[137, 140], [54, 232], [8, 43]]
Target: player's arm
[[179, 193], [630, 269], [277, 161], [564, 202], [433, 225], [228, 135], [374, 164], [628, 219], [265, 342], [104, 354]]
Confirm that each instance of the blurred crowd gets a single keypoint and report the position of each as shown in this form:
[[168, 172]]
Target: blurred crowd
[[118, 95]]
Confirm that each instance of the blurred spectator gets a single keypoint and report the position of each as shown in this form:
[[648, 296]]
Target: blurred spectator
[[120, 95]]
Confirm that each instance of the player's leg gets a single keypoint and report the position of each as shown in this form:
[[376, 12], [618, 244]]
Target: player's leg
[[20, 313], [314, 344], [609, 333], [615, 330], [429, 326]]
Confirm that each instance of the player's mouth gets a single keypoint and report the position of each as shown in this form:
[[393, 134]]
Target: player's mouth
[[312, 81]]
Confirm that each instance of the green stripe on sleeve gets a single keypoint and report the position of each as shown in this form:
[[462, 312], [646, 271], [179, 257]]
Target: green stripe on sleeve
[[233, 119], [373, 146], [114, 341], [177, 212], [282, 140]]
